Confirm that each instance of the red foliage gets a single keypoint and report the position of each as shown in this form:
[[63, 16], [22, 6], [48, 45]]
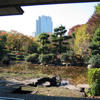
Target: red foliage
[[93, 23], [2, 33], [73, 29], [18, 53]]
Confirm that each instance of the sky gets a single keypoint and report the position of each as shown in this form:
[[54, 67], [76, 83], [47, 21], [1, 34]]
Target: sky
[[67, 15]]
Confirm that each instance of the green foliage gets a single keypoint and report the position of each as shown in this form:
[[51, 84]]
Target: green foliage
[[97, 11], [64, 57], [95, 43], [59, 39], [95, 60], [95, 89], [81, 40], [32, 48], [33, 58], [94, 82], [20, 57], [43, 38], [93, 74], [47, 58], [3, 50], [43, 49], [43, 58], [6, 60]]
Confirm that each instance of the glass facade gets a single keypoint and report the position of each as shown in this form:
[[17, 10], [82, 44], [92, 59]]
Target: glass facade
[[43, 25]]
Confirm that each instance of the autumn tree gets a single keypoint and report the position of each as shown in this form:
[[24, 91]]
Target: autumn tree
[[18, 42], [94, 21], [81, 40], [13, 41]]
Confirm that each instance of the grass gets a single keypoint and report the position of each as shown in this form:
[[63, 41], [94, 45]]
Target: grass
[[75, 75], [24, 71]]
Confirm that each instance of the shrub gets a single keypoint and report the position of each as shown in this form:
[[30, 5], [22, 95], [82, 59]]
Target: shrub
[[64, 57], [52, 57], [20, 57], [32, 58], [94, 82], [95, 89], [6, 60], [12, 56], [47, 58], [93, 74], [43, 58], [95, 61]]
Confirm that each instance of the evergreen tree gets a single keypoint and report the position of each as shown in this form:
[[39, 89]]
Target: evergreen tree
[[59, 39], [95, 43], [3, 51], [43, 38]]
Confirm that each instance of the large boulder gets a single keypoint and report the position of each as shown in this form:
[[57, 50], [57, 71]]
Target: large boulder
[[46, 81]]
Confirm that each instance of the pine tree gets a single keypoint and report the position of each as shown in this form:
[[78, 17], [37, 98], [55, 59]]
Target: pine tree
[[59, 39], [95, 43], [43, 38]]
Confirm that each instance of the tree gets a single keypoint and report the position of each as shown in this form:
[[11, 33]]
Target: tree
[[18, 42], [95, 43], [3, 50], [59, 39], [43, 39], [81, 40], [13, 41], [94, 21]]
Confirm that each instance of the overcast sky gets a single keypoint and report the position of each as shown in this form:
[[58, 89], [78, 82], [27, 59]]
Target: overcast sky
[[62, 14]]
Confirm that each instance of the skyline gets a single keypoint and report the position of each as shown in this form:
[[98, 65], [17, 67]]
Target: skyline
[[43, 25], [67, 15]]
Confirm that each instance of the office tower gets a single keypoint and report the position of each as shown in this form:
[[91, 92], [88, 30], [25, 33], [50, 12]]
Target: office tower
[[43, 25]]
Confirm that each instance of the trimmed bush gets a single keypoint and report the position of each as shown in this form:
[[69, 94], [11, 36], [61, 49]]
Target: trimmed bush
[[52, 57], [95, 61], [6, 60], [43, 58], [64, 57], [47, 58], [95, 89], [94, 82], [20, 57], [12, 56], [32, 58], [93, 74]]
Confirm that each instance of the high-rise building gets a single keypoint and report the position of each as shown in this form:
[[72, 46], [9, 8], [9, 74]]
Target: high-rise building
[[43, 25]]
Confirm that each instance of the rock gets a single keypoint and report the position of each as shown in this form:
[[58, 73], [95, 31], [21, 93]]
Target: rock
[[46, 84], [83, 87], [64, 64], [45, 81], [68, 64], [30, 81], [64, 82], [90, 66]]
